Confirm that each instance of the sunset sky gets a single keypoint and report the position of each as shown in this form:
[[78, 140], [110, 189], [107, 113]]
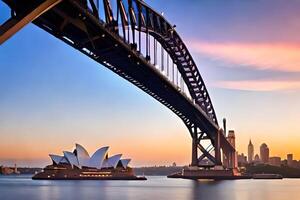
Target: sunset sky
[[248, 53]]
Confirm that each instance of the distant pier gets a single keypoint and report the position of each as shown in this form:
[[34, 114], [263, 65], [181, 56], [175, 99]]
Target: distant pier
[[214, 173]]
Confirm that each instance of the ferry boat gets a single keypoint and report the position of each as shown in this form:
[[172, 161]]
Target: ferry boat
[[267, 176]]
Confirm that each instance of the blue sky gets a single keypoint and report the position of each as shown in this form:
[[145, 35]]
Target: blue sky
[[53, 96]]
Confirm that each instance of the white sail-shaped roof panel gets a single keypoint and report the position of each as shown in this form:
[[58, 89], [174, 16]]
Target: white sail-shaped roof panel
[[113, 161], [82, 156], [105, 164], [97, 158], [56, 158], [72, 159], [64, 161], [125, 162]]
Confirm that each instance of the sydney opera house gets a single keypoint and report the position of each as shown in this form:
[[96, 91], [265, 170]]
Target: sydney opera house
[[79, 165]]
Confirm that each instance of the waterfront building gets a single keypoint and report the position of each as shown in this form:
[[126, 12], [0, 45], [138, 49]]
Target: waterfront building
[[242, 160], [16, 169], [78, 164], [80, 158], [6, 170], [256, 158], [250, 152], [9, 170], [284, 162], [289, 159], [295, 164], [275, 161], [264, 153]]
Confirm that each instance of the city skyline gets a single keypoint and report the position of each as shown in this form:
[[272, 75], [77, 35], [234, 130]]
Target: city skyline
[[250, 155], [70, 95]]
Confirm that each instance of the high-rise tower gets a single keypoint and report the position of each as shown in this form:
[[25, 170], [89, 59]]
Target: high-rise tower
[[250, 152], [290, 159], [264, 153]]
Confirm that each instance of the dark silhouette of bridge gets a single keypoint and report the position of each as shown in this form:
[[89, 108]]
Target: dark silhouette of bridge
[[140, 45]]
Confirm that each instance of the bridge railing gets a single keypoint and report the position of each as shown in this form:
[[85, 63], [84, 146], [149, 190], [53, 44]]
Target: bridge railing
[[150, 34]]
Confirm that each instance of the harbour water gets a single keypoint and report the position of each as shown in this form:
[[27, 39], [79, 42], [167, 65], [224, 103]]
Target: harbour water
[[155, 188]]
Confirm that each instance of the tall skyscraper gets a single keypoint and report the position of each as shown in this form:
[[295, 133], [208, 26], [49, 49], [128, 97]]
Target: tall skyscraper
[[290, 159], [275, 161], [256, 158], [250, 152], [264, 153], [242, 159]]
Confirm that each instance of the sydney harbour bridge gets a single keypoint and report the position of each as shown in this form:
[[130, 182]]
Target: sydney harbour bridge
[[140, 45]]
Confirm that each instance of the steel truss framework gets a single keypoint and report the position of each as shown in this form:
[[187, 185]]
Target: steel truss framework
[[126, 40]]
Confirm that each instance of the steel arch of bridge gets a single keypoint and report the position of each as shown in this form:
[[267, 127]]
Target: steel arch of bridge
[[126, 39]]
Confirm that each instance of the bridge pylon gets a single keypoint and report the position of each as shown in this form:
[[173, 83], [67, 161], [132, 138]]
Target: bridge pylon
[[199, 152], [195, 142]]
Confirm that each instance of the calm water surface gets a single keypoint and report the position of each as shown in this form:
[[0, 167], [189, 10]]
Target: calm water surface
[[155, 188]]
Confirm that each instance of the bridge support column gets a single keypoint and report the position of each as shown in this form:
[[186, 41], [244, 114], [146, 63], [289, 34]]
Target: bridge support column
[[194, 147], [218, 148], [234, 160], [225, 159], [231, 160]]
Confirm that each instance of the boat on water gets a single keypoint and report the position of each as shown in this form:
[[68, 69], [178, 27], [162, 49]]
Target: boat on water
[[78, 165], [267, 176]]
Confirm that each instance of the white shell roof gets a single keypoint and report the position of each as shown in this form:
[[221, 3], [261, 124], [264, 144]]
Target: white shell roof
[[72, 159], [82, 156], [125, 162], [104, 164], [64, 160], [97, 158], [113, 161], [56, 158]]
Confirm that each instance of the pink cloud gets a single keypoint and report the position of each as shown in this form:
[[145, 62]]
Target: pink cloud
[[261, 56], [259, 85]]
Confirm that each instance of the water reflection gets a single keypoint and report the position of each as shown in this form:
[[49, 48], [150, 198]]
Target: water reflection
[[207, 189], [155, 188]]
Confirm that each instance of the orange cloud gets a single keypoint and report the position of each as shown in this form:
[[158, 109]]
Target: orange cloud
[[259, 85], [261, 56]]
